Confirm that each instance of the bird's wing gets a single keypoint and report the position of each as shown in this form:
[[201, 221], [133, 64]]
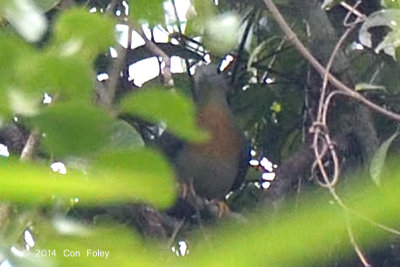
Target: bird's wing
[[244, 159]]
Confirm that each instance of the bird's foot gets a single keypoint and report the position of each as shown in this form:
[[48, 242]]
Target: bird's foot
[[223, 208], [187, 190], [217, 209]]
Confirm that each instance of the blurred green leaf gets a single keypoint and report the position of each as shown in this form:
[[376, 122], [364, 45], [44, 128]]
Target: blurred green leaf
[[105, 183], [391, 3], [162, 106], [73, 128], [266, 240], [378, 160], [276, 107], [23, 104], [26, 17], [221, 33], [13, 49], [14, 52], [79, 32], [204, 10], [124, 136], [123, 248], [150, 11], [67, 77], [149, 174]]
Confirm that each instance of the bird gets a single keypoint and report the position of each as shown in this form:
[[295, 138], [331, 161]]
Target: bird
[[218, 165]]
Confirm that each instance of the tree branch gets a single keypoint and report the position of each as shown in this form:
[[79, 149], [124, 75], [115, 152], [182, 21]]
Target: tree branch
[[168, 81]]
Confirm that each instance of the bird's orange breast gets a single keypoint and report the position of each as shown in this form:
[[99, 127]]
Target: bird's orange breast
[[225, 139]]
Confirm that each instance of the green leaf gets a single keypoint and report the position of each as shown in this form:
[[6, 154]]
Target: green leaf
[[79, 32], [221, 34], [67, 77], [220, 31], [385, 17], [162, 106], [204, 10], [14, 51], [149, 174], [23, 104], [390, 3], [378, 160], [151, 11], [255, 54], [276, 107], [124, 136], [28, 20], [368, 86], [114, 178], [73, 128]]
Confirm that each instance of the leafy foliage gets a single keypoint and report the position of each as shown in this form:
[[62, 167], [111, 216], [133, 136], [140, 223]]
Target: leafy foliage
[[386, 17], [161, 106], [78, 31], [266, 241], [105, 183], [391, 3], [150, 11], [378, 161], [219, 31], [124, 136], [73, 129], [203, 11], [26, 18], [16, 52], [114, 166], [70, 79]]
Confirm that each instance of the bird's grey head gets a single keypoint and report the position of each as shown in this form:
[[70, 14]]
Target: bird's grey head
[[209, 82]]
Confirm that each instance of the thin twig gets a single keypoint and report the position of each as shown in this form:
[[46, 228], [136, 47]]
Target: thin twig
[[117, 65], [321, 118], [111, 6], [353, 10], [6, 211], [242, 44], [353, 242], [274, 57], [178, 25], [29, 150], [327, 71], [177, 228], [115, 73]]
